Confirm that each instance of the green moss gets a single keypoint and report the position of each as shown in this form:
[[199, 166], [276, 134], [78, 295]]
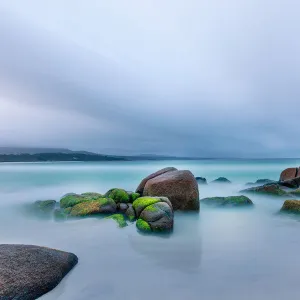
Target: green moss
[[118, 195], [70, 200], [134, 196], [143, 202], [90, 207], [119, 218], [151, 208], [91, 196], [143, 225]]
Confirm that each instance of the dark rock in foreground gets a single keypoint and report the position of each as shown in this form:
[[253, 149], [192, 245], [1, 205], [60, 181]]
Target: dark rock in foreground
[[180, 187], [28, 272], [236, 201], [201, 180], [221, 180], [267, 189], [291, 206]]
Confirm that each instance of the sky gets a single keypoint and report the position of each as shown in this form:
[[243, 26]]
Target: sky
[[217, 78]]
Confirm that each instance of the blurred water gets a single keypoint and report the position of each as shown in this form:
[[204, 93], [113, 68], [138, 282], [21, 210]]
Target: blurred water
[[217, 254]]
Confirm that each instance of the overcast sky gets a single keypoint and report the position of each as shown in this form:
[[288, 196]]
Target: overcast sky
[[213, 78]]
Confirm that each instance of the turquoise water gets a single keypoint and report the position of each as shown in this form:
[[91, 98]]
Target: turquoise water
[[216, 254]]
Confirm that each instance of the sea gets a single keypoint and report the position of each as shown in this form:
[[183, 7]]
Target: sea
[[218, 253]]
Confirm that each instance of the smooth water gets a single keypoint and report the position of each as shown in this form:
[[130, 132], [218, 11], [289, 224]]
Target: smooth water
[[217, 254]]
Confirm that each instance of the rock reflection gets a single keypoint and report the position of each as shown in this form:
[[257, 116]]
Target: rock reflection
[[180, 250]]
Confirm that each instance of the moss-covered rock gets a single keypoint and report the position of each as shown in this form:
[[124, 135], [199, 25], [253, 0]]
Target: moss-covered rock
[[261, 181], [133, 196], [267, 189], [141, 203], [118, 195], [70, 200], [143, 225], [92, 196], [291, 206], [92, 207], [119, 218], [156, 212], [236, 201], [159, 216]]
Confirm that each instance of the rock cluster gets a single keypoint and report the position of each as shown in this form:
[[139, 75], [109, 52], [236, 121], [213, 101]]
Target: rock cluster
[[179, 186]]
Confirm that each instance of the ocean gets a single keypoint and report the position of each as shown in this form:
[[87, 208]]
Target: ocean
[[236, 254]]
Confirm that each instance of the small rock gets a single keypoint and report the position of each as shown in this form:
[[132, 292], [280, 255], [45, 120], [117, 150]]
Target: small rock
[[201, 180], [118, 195], [291, 206], [119, 218], [221, 180], [236, 201]]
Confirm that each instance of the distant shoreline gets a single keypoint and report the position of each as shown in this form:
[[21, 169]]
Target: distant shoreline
[[93, 157]]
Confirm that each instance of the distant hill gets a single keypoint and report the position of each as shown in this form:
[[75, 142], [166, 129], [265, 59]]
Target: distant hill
[[23, 154], [28, 150]]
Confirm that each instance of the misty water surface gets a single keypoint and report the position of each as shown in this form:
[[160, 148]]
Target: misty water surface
[[218, 254]]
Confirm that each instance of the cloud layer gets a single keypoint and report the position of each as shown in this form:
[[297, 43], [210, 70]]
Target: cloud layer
[[201, 78]]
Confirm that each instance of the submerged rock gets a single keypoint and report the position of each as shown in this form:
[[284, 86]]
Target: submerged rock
[[268, 189], [45, 206], [262, 181], [221, 180], [28, 272], [236, 201], [92, 207], [291, 206], [180, 187], [140, 188], [153, 214], [201, 180], [119, 218]]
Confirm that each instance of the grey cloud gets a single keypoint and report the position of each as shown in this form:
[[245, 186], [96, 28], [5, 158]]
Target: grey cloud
[[188, 78]]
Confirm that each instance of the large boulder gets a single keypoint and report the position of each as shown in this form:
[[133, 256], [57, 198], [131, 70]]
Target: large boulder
[[236, 201], [289, 173], [180, 187], [290, 177], [140, 188], [28, 272], [153, 214]]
